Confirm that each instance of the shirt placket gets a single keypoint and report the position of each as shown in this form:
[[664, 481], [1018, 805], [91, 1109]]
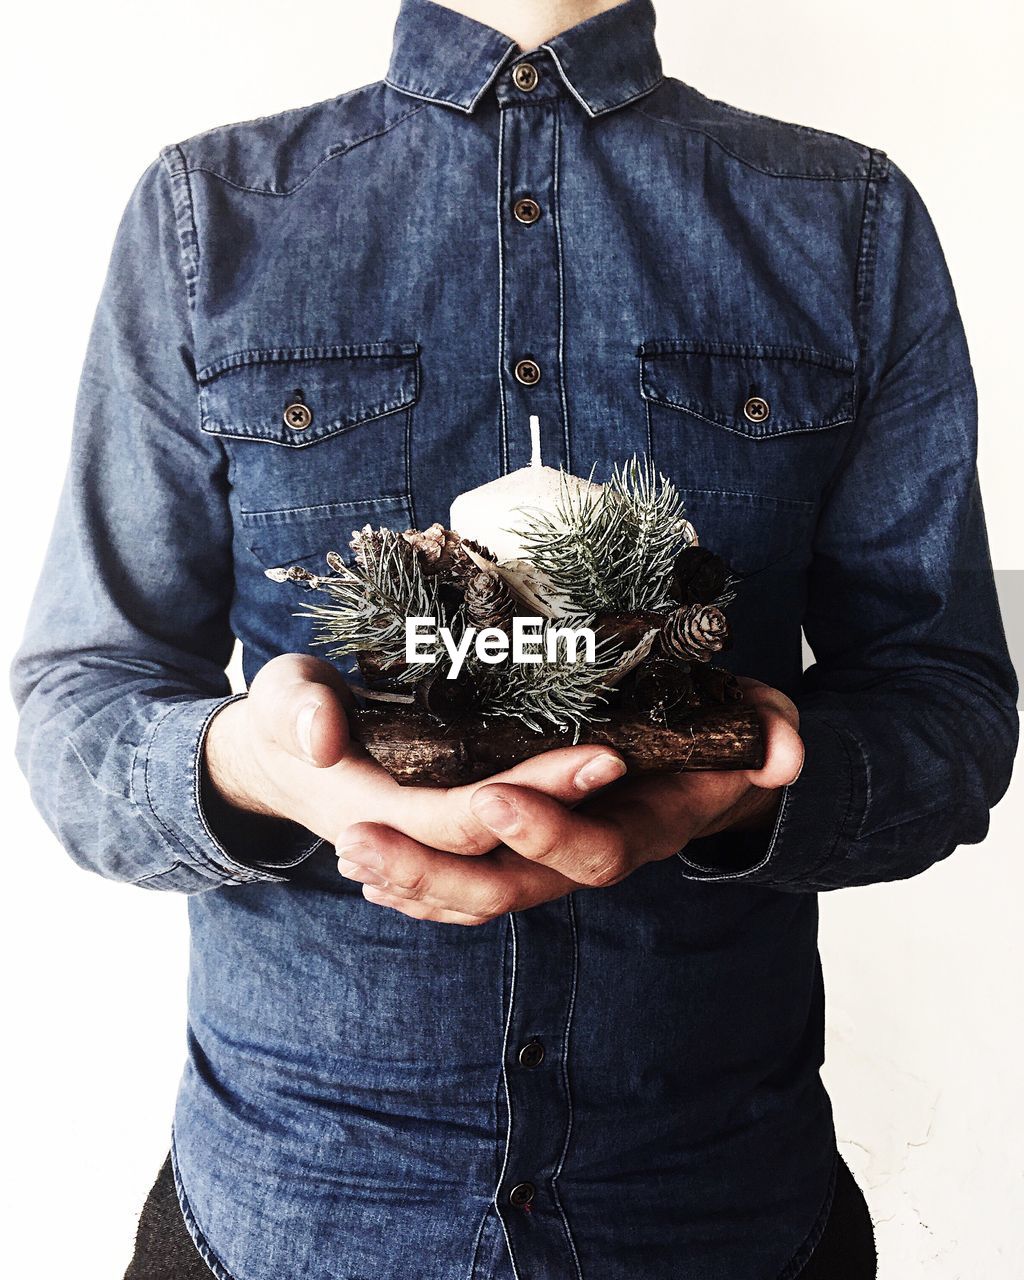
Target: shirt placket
[[535, 1106], [531, 314]]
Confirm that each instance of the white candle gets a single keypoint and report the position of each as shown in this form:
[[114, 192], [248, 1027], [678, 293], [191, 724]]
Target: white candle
[[491, 513]]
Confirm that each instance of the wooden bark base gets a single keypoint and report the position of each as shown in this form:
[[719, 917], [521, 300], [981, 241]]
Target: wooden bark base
[[418, 750]]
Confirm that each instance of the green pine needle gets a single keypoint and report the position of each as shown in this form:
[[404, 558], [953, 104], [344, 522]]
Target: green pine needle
[[611, 549], [371, 602], [566, 694]]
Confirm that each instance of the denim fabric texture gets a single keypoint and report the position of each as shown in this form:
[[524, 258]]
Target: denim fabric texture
[[164, 1249], [352, 1103]]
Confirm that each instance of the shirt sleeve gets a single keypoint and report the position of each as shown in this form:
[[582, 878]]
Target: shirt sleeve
[[122, 665], [908, 712]]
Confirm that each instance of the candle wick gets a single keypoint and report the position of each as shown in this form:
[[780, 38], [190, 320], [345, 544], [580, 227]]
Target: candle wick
[[534, 441]]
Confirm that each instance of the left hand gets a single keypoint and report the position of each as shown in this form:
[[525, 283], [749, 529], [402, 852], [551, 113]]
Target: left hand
[[540, 848]]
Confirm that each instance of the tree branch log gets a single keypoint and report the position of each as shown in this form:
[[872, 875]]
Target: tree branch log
[[418, 750]]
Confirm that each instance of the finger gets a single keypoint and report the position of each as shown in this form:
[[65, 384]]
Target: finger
[[783, 746], [437, 816], [484, 887], [445, 818], [583, 846], [299, 703], [760, 694], [666, 810], [418, 910]]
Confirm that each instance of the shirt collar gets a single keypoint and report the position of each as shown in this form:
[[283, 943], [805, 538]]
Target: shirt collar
[[443, 56]]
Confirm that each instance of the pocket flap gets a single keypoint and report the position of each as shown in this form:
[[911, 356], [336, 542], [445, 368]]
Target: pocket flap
[[755, 390], [305, 535], [251, 395]]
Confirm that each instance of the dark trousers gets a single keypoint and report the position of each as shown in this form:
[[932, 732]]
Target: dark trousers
[[164, 1248]]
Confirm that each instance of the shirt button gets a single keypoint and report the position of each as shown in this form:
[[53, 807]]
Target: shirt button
[[525, 76], [522, 1193], [532, 1054], [297, 415], [756, 409], [527, 372], [526, 210]]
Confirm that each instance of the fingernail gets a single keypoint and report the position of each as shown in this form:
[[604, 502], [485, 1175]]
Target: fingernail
[[356, 871], [599, 772], [496, 813], [304, 728], [359, 853]]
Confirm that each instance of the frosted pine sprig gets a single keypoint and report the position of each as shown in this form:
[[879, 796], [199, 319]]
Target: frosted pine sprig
[[370, 602], [612, 547]]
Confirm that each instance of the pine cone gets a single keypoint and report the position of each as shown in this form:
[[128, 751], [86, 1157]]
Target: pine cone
[[292, 573], [698, 576], [366, 542], [695, 633], [435, 546], [462, 568], [489, 601]]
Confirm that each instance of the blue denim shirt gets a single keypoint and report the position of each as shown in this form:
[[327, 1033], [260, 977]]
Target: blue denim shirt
[[354, 1103]]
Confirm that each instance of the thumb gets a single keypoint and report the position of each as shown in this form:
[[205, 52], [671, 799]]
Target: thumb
[[300, 703]]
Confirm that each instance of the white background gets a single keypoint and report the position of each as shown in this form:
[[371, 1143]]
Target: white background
[[923, 976]]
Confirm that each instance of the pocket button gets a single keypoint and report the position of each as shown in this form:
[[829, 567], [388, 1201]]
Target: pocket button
[[297, 416], [756, 409]]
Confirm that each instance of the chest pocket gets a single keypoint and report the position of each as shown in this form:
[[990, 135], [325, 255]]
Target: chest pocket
[[317, 439], [750, 433]]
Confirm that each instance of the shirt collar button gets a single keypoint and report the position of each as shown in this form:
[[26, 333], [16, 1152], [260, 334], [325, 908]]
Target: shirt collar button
[[525, 76]]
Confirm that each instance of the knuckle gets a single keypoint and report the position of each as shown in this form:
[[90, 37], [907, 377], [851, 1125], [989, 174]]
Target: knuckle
[[598, 875], [496, 902], [413, 884], [276, 678], [282, 666], [546, 842]]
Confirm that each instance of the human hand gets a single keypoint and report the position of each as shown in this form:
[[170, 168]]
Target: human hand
[[549, 850], [285, 751]]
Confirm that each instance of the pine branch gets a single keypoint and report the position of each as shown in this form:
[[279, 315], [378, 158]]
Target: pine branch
[[612, 548], [563, 693], [371, 601]]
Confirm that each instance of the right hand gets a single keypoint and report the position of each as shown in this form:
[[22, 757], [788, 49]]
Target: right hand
[[285, 750]]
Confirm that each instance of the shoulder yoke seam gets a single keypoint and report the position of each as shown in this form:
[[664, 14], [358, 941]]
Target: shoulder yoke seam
[[278, 115], [874, 161], [333, 153]]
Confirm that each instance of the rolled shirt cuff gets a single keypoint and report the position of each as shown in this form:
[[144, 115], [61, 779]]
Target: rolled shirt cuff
[[223, 844], [802, 850]]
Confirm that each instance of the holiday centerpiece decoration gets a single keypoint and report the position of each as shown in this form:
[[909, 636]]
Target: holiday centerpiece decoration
[[553, 610]]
